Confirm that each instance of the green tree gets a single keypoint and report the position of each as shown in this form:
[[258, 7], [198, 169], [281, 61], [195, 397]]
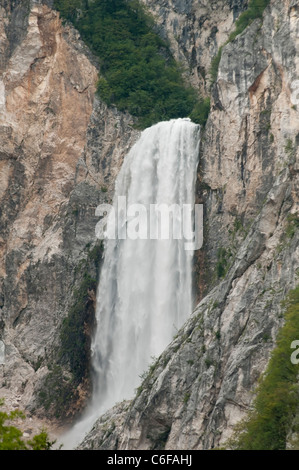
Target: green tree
[[138, 72], [11, 438], [68, 8]]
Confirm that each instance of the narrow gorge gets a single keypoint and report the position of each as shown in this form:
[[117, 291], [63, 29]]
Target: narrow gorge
[[65, 144]]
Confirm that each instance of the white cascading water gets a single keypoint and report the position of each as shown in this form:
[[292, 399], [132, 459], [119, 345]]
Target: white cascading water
[[145, 290]]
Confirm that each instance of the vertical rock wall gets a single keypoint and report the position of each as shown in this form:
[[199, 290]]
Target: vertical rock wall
[[60, 150], [203, 383]]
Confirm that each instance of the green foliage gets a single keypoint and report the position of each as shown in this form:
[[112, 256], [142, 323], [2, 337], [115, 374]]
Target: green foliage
[[138, 73], [59, 389], [11, 437], [218, 334], [276, 402], [237, 224], [57, 392], [290, 149], [41, 441], [292, 225], [255, 10], [201, 112], [238, 229], [222, 266], [162, 439], [159, 440], [215, 64], [289, 146], [73, 336], [69, 8], [145, 375], [186, 398], [209, 362]]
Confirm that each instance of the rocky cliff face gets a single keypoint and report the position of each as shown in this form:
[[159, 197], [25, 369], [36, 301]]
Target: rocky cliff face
[[203, 384], [61, 149], [195, 30]]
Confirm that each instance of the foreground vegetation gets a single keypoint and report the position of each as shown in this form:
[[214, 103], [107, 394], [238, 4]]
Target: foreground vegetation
[[138, 73], [276, 404], [11, 437]]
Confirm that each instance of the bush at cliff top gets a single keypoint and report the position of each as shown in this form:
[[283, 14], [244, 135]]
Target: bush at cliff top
[[138, 73]]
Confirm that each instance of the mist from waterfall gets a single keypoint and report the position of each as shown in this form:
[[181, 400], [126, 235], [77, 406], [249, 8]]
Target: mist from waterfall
[[145, 290]]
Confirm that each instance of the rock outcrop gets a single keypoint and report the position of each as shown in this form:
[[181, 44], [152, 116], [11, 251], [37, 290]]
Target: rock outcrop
[[204, 382], [195, 30], [60, 150]]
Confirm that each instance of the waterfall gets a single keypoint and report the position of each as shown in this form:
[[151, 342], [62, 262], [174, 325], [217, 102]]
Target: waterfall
[[145, 289]]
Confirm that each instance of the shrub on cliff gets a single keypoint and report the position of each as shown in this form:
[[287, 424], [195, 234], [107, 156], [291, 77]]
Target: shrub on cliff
[[276, 403], [255, 10]]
